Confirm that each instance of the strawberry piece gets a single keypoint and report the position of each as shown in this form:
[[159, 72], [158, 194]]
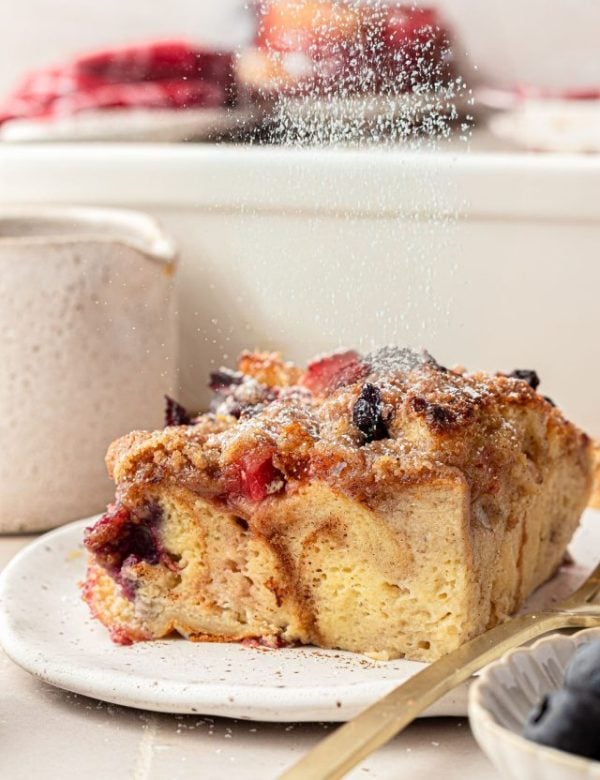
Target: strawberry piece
[[255, 477], [332, 371]]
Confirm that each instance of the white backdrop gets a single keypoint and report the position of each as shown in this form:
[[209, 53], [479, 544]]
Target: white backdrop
[[548, 43], [41, 32]]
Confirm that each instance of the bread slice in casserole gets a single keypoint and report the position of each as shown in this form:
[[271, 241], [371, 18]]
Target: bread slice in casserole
[[380, 504]]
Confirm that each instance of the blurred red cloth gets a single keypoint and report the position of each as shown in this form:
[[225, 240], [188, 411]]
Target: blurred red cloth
[[163, 74]]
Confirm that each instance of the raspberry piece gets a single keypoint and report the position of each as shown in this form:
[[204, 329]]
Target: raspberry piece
[[333, 371]]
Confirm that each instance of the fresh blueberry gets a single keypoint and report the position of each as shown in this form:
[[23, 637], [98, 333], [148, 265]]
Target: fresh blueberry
[[567, 720], [368, 414], [583, 670]]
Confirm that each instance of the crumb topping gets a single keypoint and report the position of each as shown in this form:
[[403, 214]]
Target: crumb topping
[[360, 423]]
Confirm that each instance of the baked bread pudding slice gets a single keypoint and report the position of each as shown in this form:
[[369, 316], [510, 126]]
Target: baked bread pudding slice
[[381, 504]]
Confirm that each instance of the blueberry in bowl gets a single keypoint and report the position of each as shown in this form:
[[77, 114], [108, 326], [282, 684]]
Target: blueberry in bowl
[[536, 711], [569, 720], [583, 671]]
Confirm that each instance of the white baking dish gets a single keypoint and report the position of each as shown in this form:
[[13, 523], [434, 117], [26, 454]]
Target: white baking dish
[[487, 259]]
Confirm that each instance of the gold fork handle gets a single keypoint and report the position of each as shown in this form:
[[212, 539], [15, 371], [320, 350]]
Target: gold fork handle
[[360, 737]]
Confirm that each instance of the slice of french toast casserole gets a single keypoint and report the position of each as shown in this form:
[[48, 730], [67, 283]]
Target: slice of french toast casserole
[[381, 504]]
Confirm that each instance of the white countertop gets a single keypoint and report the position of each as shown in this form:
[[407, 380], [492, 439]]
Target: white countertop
[[49, 733]]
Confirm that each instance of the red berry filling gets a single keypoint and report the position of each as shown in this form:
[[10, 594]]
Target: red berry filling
[[122, 538], [270, 642], [333, 371], [254, 476]]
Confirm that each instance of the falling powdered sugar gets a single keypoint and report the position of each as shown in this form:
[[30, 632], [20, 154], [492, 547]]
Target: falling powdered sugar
[[369, 100]]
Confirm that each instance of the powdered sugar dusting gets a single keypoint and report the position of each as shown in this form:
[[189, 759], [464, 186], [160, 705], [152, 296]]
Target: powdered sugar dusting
[[361, 72], [394, 360], [367, 269]]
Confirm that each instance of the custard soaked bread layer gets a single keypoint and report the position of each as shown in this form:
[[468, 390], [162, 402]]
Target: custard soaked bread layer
[[381, 504]]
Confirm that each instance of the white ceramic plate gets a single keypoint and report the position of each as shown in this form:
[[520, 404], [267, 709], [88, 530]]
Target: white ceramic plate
[[47, 629], [133, 125]]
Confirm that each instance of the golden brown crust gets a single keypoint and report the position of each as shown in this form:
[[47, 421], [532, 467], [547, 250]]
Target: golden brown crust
[[269, 369], [438, 419]]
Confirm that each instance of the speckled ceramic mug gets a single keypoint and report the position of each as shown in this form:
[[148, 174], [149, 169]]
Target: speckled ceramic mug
[[87, 351]]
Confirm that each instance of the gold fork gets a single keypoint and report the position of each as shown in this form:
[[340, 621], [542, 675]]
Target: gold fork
[[358, 738]]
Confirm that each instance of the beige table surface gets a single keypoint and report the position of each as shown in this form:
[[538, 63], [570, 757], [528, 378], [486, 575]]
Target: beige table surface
[[48, 733]]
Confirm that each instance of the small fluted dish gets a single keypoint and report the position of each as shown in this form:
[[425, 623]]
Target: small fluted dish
[[504, 694]]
